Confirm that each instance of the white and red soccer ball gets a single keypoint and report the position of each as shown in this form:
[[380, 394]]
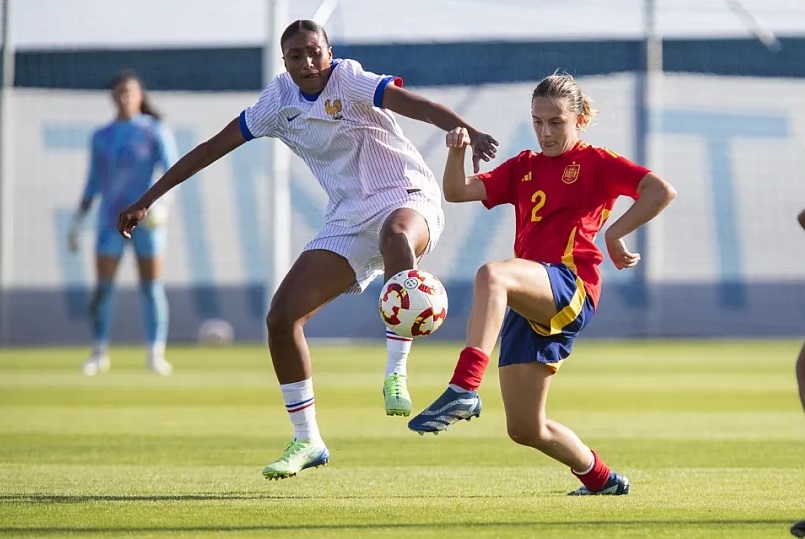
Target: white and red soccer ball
[[413, 303]]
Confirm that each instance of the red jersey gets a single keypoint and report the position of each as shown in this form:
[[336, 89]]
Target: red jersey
[[561, 203]]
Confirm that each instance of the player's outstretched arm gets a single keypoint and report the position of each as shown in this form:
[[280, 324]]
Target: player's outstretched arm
[[455, 185], [654, 194], [91, 190], [420, 108], [198, 158]]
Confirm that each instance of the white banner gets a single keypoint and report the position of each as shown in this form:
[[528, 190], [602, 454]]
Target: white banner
[[733, 148]]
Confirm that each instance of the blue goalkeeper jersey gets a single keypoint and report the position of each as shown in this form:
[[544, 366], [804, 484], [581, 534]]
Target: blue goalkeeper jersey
[[124, 155]]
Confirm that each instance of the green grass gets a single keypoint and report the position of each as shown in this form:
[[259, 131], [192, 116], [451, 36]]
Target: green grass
[[711, 435]]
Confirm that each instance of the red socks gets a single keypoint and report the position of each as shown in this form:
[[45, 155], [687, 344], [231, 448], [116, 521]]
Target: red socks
[[596, 478], [470, 369]]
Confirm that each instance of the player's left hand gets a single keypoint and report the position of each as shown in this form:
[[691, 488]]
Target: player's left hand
[[620, 255], [483, 147]]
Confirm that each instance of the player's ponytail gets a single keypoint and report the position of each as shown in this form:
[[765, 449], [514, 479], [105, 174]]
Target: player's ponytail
[[145, 107], [587, 112], [148, 108], [563, 86]]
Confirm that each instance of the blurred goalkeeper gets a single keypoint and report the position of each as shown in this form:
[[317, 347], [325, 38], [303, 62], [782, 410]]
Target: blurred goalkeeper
[[540, 300], [384, 211], [124, 154]]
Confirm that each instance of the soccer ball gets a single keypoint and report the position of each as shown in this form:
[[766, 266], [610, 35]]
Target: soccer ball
[[413, 303], [216, 332]]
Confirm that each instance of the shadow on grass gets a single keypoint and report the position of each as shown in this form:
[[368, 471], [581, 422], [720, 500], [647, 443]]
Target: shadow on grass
[[65, 530], [90, 498]]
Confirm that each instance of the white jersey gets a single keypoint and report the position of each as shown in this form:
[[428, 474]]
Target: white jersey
[[354, 147]]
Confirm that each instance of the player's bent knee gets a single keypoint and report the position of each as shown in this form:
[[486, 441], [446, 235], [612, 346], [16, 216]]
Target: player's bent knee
[[487, 277], [280, 321], [395, 241]]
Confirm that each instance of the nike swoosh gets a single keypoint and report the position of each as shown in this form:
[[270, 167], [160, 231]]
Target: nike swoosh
[[292, 118]]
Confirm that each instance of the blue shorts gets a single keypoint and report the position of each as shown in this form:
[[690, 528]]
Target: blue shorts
[[148, 242], [523, 341]]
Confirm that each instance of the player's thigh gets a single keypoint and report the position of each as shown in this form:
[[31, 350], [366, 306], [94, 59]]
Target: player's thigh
[[149, 268], [149, 245], [524, 388], [316, 278], [106, 266], [108, 250], [409, 222], [528, 287]]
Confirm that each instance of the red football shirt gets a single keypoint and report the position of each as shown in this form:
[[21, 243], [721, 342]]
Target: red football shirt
[[561, 203]]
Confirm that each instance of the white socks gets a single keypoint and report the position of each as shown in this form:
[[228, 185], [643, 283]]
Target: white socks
[[300, 404], [156, 351], [398, 349], [100, 349]]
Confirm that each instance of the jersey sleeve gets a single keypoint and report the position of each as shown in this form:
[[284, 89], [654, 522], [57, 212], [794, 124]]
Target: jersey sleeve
[[364, 86], [622, 176], [167, 153], [260, 119], [93, 184], [499, 184]]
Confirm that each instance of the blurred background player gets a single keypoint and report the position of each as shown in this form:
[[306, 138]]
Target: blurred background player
[[546, 295], [800, 368], [124, 154], [798, 529], [384, 211]]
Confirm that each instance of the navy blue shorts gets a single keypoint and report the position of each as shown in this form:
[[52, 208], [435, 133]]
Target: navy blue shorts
[[523, 341]]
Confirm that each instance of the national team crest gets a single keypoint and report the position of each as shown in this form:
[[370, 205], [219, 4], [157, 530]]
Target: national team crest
[[571, 173], [334, 109]]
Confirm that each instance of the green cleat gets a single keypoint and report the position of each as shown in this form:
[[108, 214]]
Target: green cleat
[[297, 456], [395, 391]]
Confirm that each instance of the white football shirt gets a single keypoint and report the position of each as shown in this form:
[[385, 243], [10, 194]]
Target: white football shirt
[[354, 147]]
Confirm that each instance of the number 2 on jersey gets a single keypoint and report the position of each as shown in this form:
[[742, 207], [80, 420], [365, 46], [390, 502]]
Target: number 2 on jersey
[[538, 199]]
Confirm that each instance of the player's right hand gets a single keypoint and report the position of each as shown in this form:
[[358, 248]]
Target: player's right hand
[[74, 234], [458, 137], [73, 242], [620, 255], [131, 217]]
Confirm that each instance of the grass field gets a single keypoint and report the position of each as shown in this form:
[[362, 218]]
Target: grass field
[[711, 435]]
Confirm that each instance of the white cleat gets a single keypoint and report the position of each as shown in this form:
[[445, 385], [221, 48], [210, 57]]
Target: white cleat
[[160, 365], [96, 364]]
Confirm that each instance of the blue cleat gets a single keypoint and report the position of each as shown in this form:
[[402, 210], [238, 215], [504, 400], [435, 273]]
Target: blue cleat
[[798, 529], [450, 407], [616, 485]]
